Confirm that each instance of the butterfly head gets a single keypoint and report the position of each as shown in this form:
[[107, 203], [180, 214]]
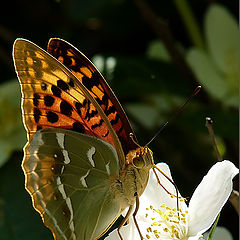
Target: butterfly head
[[140, 158]]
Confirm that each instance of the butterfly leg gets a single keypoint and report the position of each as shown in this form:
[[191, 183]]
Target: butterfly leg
[[124, 221], [134, 216], [171, 181]]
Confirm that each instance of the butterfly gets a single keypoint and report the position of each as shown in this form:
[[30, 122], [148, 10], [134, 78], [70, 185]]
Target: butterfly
[[83, 166]]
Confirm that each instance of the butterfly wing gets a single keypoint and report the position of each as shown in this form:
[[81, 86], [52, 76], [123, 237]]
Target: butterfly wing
[[67, 175], [92, 79], [52, 97]]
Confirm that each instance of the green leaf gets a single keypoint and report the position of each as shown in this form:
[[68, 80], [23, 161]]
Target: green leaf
[[223, 43], [5, 151], [206, 73], [156, 50], [217, 70], [12, 134], [221, 31]]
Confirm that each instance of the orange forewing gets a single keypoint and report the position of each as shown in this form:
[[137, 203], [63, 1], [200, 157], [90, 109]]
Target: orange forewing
[[90, 77], [52, 96]]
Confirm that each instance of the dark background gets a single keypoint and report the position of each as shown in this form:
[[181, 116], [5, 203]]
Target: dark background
[[118, 29]]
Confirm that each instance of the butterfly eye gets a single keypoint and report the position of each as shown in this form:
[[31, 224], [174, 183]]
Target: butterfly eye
[[138, 162]]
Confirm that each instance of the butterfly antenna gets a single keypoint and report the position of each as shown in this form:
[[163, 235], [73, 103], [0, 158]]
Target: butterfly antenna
[[195, 92], [131, 135]]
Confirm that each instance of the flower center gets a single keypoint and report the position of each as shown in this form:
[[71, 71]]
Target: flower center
[[167, 223]]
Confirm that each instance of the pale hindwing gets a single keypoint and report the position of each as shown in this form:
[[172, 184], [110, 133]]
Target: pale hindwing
[[68, 176]]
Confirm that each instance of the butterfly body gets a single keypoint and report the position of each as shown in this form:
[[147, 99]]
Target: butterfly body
[[133, 179], [82, 168]]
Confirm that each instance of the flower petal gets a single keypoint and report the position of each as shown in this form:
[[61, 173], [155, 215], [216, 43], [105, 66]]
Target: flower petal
[[197, 237], [154, 194], [210, 196], [128, 232]]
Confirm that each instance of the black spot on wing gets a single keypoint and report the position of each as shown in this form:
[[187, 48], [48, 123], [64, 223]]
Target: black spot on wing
[[62, 85], [79, 105], [48, 100], [67, 61], [36, 98], [95, 78], [89, 83], [52, 117], [56, 91], [78, 127], [36, 114], [66, 108]]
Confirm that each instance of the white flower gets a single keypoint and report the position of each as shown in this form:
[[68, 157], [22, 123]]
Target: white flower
[[159, 218]]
